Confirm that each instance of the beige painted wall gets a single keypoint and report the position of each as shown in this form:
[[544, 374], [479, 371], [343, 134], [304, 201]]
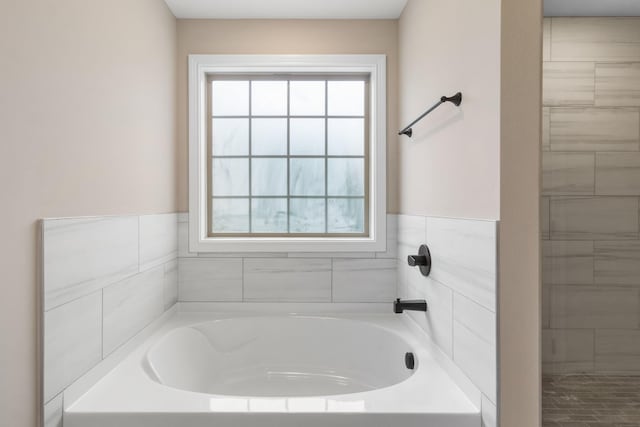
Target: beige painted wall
[[482, 160], [451, 166], [87, 126], [519, 243], [288, 37]]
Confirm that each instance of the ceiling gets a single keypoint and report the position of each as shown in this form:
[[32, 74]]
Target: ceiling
[[592, 7], [287, 9], [365, 9]]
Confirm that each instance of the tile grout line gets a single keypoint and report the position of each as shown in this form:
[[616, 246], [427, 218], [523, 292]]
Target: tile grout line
[[595, 72], [102, 324], [595, 171], [332, 298], [551, 39], [593, 331], [95, 291], [139, 227], [593, 262], [453, 320]]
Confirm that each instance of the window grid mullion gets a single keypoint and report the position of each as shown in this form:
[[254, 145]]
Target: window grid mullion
[[326, 158], [250, 207], [288, 157]]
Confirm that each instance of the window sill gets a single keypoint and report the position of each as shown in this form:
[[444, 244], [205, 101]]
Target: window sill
[[254, 244]]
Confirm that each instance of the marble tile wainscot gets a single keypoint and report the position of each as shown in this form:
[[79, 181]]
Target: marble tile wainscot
[[461, 293], [339, 277], [103, 280]]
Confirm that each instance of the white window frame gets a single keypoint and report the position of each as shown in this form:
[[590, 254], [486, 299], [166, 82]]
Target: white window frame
[[201, 65]]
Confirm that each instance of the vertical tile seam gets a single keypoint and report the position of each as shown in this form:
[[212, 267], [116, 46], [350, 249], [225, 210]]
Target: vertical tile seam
[[177, 234], [595, 172], [595, 81], [638, 141], [550, 39], [593, 262], [139, 246], [593, 331], [547, 214], [242, 281], [638, 127], [637, 305], [102, 324], [331, 281], [164, 279], [178, 277], [40, 330], [453, 320], [638, 217]]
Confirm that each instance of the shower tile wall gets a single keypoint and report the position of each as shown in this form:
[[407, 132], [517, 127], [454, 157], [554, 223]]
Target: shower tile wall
[[591, 195]]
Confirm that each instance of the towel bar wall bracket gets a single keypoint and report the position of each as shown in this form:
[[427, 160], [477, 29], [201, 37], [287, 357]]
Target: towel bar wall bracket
[[455, 100]]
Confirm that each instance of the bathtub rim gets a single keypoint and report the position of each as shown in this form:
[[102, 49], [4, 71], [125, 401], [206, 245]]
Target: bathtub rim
[[202, 312]]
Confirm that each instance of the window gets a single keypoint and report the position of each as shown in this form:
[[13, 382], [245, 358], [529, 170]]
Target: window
[[287, 153]]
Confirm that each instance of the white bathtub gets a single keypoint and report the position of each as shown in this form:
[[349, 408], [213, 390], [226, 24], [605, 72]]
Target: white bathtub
[[275, 371]]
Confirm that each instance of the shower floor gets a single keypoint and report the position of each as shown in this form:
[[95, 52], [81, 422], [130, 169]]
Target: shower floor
[[590, 401]]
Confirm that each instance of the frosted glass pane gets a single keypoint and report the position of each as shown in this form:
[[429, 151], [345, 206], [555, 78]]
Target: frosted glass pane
[[269, 137], [307, 215], [230, 98], [346, 98], [230, 216], [345, 215], [345, 177], [269, 215], [269, 98], [307, 177], [307, 98], [230, 177], [269, 177], [230, 137], [306, 137], [346, 137]]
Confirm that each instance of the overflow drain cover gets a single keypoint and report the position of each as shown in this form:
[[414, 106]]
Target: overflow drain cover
[[409, 360]]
